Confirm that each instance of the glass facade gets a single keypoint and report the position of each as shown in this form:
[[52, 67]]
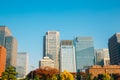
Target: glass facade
[[10, 43], [67, 56], [84, 49], [4, 31], [22, 64], [11, 46]]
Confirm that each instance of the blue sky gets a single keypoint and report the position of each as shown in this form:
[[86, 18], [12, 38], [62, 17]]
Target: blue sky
[[30, 19]]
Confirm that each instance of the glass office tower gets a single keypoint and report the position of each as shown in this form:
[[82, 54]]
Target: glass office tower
[[67, 56], [84, 50], [22, 64], [10, 43]]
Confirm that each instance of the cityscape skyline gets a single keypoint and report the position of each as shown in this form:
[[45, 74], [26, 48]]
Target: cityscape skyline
[[29, 23]]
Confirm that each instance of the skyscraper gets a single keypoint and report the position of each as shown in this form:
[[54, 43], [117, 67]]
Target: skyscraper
[[84, 49], [22, 64], [51, 46], [11, 46], [2, 59], [10, 43], [67, 56], [4, 31], [102, 55], [114, 49]]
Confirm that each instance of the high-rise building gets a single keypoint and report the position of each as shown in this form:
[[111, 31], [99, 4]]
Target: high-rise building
[[51, 46], [11, 46], [102, 55], [4, 31], [46, 61], [114, 49], [67, 56], [10, 43], [2, 59], [22, 64], [84, 49]]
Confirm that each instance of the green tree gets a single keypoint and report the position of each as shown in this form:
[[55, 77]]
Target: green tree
[[78, 76], [9, 74], [88, 77]]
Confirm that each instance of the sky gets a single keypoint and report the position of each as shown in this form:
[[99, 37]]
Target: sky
[[29, 20]]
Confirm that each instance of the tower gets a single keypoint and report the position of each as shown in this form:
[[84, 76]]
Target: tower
[[114, 49], [22, 64], [67, 56], [51, 46], [10, 43], [84, 49]]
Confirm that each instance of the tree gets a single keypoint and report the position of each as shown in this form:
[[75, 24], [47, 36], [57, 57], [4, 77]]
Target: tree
[[44, 73], [9, 74], [78, 76], [106, 76], [88, 77], [67, 75]]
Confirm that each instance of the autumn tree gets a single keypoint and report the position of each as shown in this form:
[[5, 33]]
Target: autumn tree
[[9, 74], [106, 76], [44, 73], [67, 75]]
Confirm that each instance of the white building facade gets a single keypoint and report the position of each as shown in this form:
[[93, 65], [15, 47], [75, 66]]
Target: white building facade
[[22, 64], [67, 56]]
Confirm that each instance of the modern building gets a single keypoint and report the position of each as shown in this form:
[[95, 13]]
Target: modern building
[[114, 49], [2, 59], [84, 50], [67, 56], [10, 43], [110, 69], [102, 56], [22, 64], [51, 46], [106, 61], [11, 46], [46, 61], [4, 32]]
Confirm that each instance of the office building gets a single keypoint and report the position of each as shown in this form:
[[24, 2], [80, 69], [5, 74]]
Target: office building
[[67, 56], [114, 49], [46, 61], [102, 56], [84, 50], [11, 46], [2, 59], [22, 64], [10, 43], [51, 46], [4, 31]]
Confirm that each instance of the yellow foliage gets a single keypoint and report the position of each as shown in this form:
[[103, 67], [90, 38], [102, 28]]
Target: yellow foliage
[[67, 75], [106, 76]]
